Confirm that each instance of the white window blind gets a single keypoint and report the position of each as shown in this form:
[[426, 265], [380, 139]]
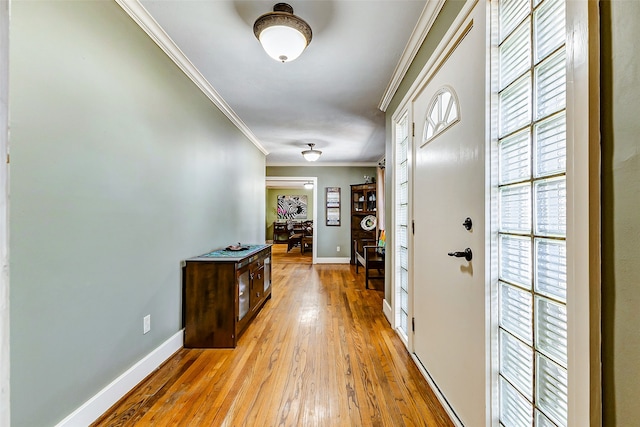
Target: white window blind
[[532, 297]]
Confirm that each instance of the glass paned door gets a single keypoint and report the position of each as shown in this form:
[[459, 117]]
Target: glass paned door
[[531, 210]]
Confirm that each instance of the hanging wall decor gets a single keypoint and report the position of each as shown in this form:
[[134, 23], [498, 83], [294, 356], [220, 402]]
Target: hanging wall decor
[[333, 206], [292, 207]]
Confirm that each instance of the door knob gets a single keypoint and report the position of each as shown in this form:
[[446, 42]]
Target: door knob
[[466, 254], [467, 223]]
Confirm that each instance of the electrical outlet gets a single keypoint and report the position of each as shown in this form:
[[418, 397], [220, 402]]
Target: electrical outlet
[[146, 324], [338, 249]]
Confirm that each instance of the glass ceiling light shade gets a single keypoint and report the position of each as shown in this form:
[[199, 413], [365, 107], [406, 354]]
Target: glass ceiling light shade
[[311, 155], [282, 34], [308, 185]]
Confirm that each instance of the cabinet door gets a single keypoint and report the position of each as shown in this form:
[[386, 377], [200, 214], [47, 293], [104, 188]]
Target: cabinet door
[[371, 201], [363, 199], [267, 274], [244, 292], [358, 198], [257, 289]]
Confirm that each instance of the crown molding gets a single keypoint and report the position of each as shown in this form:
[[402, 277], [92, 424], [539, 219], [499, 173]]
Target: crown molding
[[329, 164], [422, 28], [149, 25], [449, 41]]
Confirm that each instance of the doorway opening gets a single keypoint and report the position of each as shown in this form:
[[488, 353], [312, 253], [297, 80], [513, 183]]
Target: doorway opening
[[304, 250]]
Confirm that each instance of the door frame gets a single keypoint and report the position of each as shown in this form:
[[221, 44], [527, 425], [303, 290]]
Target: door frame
[[303, 179], [451, 39], [583, 189], [583, 213]]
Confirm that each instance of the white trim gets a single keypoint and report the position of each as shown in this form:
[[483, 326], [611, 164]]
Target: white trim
[[583, 214], [491, 222], [422, 28], [314, 180], [445, 404], [5, 412], [93, 408], [388, 313], [315, 164], [141, 16], [334, 260]]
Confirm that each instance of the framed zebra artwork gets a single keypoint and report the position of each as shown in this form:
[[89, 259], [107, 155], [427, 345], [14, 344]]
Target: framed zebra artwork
[[292, 207]]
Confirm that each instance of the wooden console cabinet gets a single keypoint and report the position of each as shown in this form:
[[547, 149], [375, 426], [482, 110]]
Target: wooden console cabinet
[[222, 293]]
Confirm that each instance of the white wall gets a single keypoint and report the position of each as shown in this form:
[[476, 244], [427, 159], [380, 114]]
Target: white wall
[[620, 87]]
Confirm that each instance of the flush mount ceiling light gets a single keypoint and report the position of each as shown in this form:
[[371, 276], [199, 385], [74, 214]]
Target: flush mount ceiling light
[[308, 185], [311, 155], [282, 34]]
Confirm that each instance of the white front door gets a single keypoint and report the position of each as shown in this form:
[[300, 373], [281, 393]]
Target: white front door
[[450, 293]]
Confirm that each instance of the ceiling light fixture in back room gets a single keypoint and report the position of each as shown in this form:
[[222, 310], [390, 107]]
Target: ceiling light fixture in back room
[[283, 35], [311, 155]]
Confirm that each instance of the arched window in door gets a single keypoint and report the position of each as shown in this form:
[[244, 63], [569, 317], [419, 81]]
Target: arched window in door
[[443, 112]]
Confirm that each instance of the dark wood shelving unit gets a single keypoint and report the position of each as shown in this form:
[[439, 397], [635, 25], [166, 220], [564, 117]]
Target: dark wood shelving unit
[[363, 203]]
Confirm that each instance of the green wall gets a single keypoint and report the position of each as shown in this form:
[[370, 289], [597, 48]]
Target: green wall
[[620, 90], [120, 169], [272, 205], [440, 27], [329, 238]]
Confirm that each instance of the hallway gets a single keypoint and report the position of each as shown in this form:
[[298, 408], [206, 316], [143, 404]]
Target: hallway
[[320, 353]]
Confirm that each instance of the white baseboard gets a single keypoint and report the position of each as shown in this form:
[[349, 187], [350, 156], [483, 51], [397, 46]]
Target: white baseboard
[[386, 309], [335, 260], [443, 400], [93, 408]]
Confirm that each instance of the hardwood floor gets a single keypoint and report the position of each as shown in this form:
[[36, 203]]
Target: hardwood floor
[[320, 353], [280, 255]]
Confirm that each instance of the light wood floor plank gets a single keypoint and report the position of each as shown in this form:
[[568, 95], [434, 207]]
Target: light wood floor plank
[[320, 353]]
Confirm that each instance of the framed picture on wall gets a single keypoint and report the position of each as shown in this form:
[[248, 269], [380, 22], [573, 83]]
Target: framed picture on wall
[[292, 207], [332, 207]]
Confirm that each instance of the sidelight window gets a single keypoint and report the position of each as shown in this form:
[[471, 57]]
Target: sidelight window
[[532, 273], [402, 222]]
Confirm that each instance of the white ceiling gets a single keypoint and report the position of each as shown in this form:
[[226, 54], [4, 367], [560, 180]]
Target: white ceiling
[[329, 96]]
